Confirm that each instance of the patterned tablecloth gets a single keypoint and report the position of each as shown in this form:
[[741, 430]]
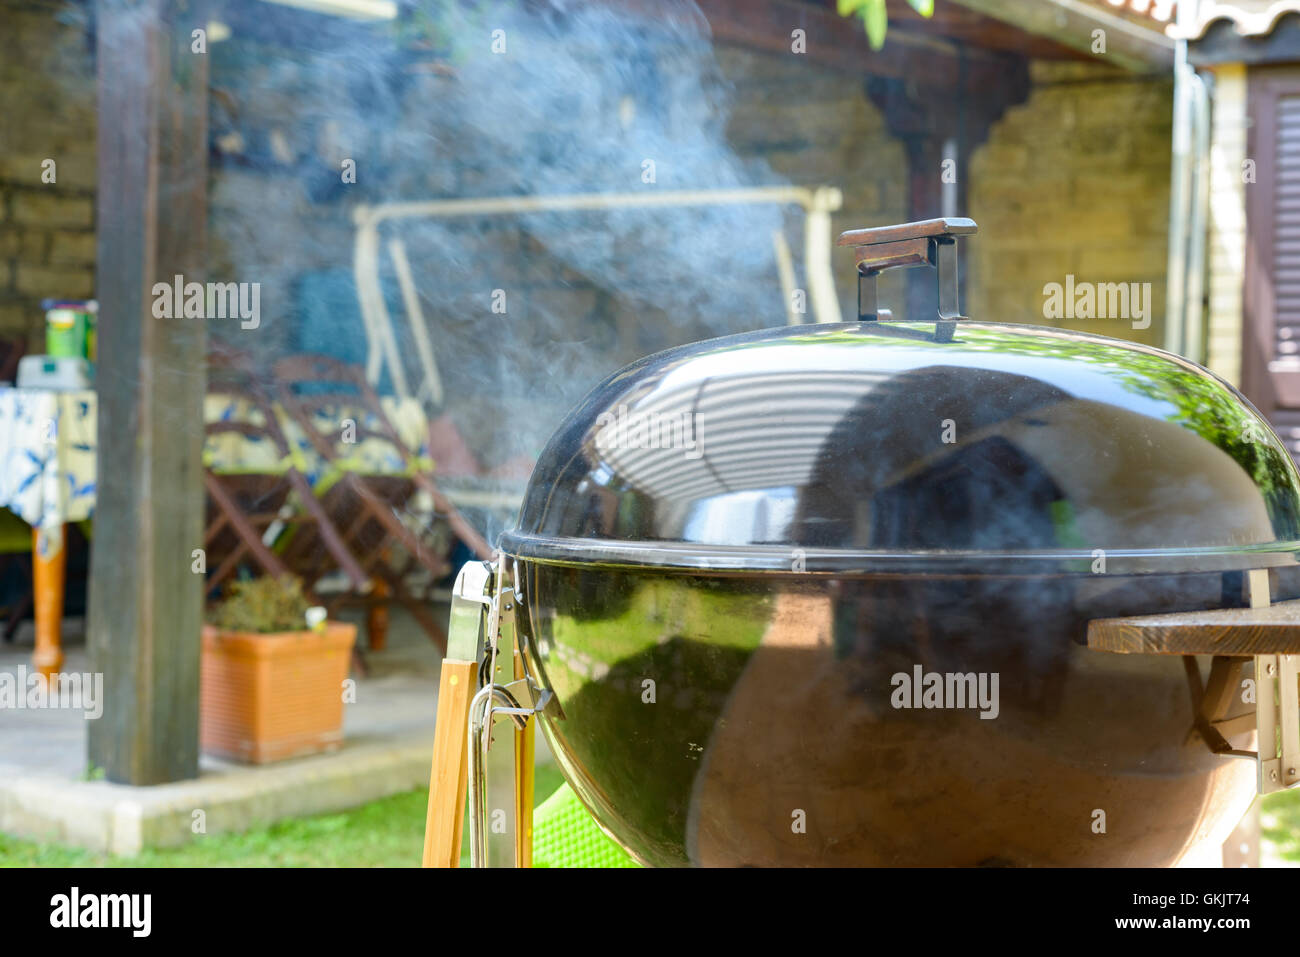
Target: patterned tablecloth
[[47, 449], [47, 455]]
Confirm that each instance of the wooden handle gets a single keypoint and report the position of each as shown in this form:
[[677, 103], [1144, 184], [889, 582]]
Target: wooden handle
[[925, 229], [1244, 632], [930, 242], [449, 777], [525, 761]]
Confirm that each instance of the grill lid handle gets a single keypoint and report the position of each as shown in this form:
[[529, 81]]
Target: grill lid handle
[[930, 242]]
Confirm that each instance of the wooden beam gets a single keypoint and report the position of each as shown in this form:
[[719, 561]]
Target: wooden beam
[[954, 22], [145, 603], [1071, 22], [928, 61]]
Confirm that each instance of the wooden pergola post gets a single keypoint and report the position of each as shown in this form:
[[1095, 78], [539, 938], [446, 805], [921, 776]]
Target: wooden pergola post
[[145, 603]]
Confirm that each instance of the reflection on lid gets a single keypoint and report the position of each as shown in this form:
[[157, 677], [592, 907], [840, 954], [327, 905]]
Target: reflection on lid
[[844, 437]]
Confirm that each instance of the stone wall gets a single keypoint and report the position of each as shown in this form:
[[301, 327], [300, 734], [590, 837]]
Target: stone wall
[[1073, 182], [47, 112], [816, 127], [809, 126]]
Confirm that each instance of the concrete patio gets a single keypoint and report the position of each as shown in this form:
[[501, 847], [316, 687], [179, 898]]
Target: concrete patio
[[48, 793]]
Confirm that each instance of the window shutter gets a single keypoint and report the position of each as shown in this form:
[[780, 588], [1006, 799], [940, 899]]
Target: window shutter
[[1271, 359]]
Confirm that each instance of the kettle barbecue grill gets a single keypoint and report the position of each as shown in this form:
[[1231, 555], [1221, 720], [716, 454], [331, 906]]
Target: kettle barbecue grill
[[934, 592]]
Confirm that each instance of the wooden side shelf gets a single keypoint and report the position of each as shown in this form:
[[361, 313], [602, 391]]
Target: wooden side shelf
[[1242, 632], [1267, 633]]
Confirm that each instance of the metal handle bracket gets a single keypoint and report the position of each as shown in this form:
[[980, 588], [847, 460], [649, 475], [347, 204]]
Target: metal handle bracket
[[485, 601], [931, 242]]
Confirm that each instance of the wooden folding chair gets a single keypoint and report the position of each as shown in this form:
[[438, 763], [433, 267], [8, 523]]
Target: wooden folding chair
[[319, 392], [244, 504]]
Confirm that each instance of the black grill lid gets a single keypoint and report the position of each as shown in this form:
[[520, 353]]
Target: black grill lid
[[881, 446]]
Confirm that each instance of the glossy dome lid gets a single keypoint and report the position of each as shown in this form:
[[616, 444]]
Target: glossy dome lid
[[877, 447]]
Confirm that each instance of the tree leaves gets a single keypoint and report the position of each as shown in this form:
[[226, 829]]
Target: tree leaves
[[875, 16], [877, 21]]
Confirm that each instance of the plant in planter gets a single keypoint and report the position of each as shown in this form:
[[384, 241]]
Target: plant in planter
[[272, 672]]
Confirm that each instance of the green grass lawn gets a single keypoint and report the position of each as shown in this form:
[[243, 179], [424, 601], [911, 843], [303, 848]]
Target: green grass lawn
[[390, 833], [386, 833], [1281, 823]]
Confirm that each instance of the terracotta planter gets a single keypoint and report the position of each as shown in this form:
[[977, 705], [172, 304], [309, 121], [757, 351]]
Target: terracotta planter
[[269, 697]]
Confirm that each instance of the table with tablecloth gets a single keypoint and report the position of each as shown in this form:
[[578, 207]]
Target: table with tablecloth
[[47, 455], [48, 469], [47, 478]]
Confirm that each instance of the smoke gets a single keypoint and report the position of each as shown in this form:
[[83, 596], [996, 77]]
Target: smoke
[[531, 100]]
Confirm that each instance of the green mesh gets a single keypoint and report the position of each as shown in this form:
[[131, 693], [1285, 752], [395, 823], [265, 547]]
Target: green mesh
[[565, 835]]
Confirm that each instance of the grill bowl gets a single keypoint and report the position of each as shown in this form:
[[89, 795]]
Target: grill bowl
[[731, 551]]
